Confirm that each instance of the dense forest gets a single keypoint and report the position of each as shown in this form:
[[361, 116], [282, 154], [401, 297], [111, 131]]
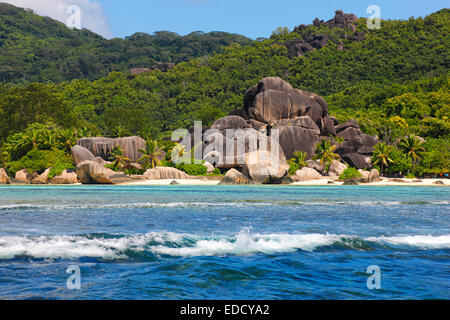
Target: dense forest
[[394, 80], [35, 48]]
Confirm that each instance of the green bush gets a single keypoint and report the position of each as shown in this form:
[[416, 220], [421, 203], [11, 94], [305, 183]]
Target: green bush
[[193, 169], [350, 173], [59, 167], [40, 160]]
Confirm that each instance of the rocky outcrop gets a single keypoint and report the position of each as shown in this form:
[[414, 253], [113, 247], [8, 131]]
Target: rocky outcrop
[[374, 176], [80, 154], [23, 176], [292, 119], [90, 172], [364, 176], [311, 41], [235, 177], [102, 147], [4, 179], [163, 66], [230, 122], [357, 160], [265, 167], [209, 167], [42, 178], [336, 168], [307, 174], [66, 177], [298, 134], [165, 173]]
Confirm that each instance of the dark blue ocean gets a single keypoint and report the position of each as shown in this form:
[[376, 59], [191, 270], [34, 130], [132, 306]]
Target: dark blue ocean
[[233, 242]]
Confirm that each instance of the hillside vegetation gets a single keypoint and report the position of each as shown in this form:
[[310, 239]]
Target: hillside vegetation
[[35, 48], [395, 81]]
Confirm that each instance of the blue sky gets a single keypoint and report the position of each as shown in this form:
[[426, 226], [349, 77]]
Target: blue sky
[[252, 18]]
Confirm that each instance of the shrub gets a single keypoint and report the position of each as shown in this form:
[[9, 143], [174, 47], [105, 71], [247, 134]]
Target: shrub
[[59, 167], [193, 169], [350, 173], [40, 160]]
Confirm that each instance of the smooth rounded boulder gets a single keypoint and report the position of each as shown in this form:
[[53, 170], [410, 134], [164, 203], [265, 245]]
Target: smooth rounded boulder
[[80, 154], [90, 172], [307, 174], [235, 177], [165, 173], [66, 177], [265, 167]]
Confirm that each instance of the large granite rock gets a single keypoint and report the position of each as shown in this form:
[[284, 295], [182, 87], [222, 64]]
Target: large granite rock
[[265, 167], [80, 154], [307, 174], [299, 134], [4, 179], [66, 177], [230, 122], [102, 147], [90, 172], [374, 176], [357, 160], [235, 177], [337, 168], [209, 167], [42, 178], [165, 173], [274, 99], [23, 176]]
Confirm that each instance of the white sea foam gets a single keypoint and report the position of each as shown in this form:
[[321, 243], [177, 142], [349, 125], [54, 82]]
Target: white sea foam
[[420, 242], [184, 245]]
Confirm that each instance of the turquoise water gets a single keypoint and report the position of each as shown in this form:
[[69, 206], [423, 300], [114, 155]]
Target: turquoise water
[[230, 242]]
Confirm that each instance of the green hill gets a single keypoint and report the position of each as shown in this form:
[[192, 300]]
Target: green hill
[[35, 48]]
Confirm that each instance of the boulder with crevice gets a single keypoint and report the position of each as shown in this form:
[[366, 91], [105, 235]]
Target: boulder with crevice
[[90, 172], [66, 177], [233, 177]]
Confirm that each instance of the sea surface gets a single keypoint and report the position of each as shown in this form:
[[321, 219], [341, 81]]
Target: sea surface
[[224, 242]]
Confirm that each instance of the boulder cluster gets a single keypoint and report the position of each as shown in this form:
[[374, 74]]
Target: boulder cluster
[[300, 119], [311, 42]]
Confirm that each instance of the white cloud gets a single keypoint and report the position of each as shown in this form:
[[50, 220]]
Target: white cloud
[[92, 15]]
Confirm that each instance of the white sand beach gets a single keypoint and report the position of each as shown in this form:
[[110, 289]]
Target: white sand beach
[[319, 182]]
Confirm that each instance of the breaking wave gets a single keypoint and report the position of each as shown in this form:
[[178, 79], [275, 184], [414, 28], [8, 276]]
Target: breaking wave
[[156, 245]]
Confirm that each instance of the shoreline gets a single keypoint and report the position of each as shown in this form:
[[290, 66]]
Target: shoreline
[[319, 182], [215, 182]]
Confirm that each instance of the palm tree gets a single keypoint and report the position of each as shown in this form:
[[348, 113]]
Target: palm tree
[[82, 132], [177, 153], [297, 162], [381, 156], [411, 145], [325, 153], [118, 159], [151, 154], [67, 140]]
